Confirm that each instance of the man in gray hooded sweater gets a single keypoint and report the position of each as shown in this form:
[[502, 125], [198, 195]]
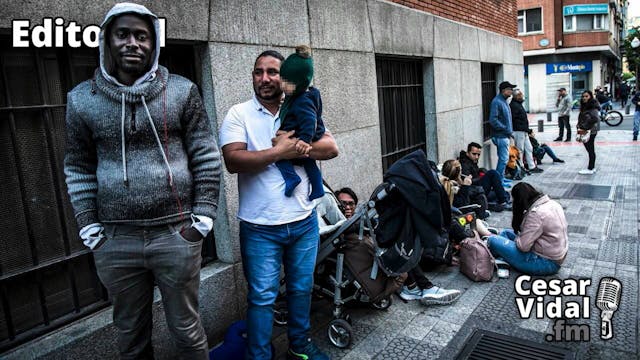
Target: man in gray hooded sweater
[[143, 173]]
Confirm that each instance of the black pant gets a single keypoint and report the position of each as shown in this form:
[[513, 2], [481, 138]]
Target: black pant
[[492, 181], [591, 149], [563, 122], [417, 276]]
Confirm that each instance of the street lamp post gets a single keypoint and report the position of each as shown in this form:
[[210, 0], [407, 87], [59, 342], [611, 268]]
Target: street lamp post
[[635, 43]]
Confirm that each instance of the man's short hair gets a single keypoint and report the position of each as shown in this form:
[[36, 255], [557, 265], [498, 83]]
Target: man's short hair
[[272, 53], [473, 145], [348, 191]]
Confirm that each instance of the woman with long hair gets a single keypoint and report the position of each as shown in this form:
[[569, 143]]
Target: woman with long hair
[[460, 189], [538, 243], [589, 120]]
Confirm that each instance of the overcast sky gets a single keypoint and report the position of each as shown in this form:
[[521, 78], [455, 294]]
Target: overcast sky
[[634, 8]]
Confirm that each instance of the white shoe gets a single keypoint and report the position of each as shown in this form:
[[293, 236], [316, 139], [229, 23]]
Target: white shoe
[[587, 172], [411, 294], [439, 296]]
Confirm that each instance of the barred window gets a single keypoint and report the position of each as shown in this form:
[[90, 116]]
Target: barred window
[[47, 276], [401, 107], [488, 74]]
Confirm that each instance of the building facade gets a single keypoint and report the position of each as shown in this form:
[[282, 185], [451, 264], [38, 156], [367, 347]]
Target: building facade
[[570, 43], [394, 76]]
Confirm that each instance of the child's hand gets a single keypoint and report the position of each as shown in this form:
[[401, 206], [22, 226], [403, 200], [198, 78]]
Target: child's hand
[[302, 147]]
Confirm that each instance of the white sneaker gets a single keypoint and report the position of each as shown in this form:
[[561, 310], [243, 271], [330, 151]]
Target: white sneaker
[[587, 172], [439, 296], [411, 294]]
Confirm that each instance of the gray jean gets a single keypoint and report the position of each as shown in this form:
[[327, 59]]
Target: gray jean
[[128, 263]]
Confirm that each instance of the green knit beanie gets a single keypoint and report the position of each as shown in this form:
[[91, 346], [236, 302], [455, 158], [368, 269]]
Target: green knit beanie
[[298, 68]]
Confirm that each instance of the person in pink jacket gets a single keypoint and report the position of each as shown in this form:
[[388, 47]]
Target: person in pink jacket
[[538, 244]]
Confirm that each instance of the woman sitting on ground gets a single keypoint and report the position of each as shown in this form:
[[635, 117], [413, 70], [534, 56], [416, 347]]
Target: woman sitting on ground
[[538, 243], [540, 150], [460, 189]]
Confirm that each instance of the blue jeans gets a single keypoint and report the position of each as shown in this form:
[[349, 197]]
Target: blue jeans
[[636, 123], [503, 154], [264, 249], [504, 246]]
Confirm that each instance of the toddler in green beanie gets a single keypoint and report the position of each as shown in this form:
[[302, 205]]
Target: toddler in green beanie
[[302, 112]]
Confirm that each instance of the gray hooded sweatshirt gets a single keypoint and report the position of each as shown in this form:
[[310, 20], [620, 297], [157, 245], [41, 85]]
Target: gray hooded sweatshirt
[[143, 154]]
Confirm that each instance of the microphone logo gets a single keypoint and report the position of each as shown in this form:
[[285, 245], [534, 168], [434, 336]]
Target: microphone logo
[[608, 301]]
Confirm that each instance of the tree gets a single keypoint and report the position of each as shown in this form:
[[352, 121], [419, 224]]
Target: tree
[[633, 55]]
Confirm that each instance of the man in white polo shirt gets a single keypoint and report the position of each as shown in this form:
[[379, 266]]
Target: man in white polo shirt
[[274, 229]]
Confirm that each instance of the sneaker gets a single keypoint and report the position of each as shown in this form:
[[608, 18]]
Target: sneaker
[[485, 214], [587, 172], [411, 294], [495, 207], [309, 352], [439, 296], [536, 170], [507, 205], [558, 161], [559, 138]]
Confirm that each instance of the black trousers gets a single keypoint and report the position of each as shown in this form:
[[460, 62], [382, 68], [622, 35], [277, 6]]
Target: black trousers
[[563, 122], [591, 150], [417, 276]]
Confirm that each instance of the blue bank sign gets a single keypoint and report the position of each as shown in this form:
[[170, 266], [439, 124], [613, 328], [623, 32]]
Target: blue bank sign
[[585, 9], [572, 67]]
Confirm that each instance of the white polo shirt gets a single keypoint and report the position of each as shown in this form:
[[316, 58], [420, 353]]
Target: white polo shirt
[[262, 199]]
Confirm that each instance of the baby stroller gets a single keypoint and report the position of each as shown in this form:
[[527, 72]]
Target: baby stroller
[[366, 257], [345, 267]]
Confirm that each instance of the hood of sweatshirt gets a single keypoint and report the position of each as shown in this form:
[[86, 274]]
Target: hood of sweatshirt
[[144, 89], [106, 62]]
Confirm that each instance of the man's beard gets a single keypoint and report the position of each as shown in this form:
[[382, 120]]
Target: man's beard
[[276, 95]]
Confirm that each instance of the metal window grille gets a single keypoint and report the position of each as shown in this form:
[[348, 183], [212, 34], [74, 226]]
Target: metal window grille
[[488, 74], [47, 277], [401, 107]]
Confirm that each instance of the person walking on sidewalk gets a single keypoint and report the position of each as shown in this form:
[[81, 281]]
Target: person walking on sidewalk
[[143, 199], [636, 115], [564, 113], [624, 94], [589, 120], [520, 130], [500, 122], [275, 229]]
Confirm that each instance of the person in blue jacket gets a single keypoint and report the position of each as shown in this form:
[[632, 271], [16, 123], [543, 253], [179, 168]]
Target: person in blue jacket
[[302, 112], [500, 121]]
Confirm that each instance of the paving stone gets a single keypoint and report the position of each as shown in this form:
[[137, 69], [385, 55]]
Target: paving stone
[[603, 241]]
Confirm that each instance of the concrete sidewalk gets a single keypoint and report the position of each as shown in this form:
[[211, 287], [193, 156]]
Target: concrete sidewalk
[[603, 241]]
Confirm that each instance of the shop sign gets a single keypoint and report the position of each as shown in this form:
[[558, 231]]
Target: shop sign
[[572, 67], [585, 9]]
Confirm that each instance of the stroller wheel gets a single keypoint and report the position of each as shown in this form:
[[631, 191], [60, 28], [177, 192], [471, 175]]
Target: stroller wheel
[[382, 304], [340, 333], [280, 314]]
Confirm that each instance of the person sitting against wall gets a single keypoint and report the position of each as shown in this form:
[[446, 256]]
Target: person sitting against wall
[[348, 199], [460, 189], [540, 150], [417, 286], [538, 242], [489, 180]]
